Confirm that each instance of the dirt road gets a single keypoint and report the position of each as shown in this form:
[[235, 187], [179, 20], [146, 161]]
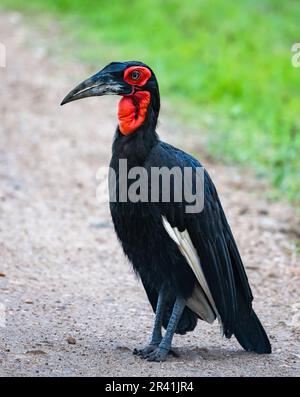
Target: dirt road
[[63, 274]]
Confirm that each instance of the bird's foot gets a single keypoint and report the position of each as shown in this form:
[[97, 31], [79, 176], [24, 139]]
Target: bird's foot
[[143, 353], [155, 353], [158, 355]]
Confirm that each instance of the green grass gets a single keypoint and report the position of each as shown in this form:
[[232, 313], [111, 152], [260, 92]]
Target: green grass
[[229, 62]]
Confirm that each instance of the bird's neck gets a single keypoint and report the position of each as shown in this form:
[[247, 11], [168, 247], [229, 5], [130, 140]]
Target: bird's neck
[[134, 147]]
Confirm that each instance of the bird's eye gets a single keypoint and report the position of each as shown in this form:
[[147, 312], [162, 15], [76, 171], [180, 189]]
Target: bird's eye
[[135, 75]]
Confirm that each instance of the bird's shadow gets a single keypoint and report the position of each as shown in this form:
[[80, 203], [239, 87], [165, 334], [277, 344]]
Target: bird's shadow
[[211, 353]]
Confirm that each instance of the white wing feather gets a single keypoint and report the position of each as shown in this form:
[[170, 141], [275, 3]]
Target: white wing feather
[[201, 302]]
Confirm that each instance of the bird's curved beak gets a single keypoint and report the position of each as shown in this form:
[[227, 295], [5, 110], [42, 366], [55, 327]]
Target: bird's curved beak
[[101, 83]]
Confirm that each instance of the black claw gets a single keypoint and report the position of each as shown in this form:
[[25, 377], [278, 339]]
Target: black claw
[[145, 352]]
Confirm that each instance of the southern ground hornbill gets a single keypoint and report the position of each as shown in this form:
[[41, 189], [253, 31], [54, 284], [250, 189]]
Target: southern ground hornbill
[[189, 263]]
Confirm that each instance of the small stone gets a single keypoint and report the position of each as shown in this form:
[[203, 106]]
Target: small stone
[[28, 301], [71, 340], [2, 274]]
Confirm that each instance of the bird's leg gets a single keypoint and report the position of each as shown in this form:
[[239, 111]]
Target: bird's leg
[[156, 336], [161, 352]]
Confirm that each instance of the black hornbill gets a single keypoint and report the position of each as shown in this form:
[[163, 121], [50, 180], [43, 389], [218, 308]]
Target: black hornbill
[[189, 263]]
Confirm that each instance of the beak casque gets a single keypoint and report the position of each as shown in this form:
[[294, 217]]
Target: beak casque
[[101, 83]]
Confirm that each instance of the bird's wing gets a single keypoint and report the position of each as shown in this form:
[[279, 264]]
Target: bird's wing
[[201, 302], [213, 241]]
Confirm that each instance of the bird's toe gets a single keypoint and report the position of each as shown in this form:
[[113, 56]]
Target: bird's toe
[[145, 352], [158, 355]]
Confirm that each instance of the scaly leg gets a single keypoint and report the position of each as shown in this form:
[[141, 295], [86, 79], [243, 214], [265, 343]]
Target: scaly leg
[[161, 352], [156, 336]]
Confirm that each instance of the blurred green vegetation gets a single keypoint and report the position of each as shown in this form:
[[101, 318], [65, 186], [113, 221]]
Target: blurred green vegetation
[[225, 64]]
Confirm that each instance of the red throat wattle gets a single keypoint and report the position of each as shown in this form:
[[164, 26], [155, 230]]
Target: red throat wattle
[[132, 111]]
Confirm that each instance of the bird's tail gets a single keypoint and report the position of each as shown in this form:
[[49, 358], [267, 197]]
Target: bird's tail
[[251, 335]]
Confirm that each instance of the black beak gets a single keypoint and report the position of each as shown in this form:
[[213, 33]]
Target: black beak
[[101, 83]]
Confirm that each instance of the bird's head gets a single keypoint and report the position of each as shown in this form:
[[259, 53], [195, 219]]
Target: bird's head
[[135, 82]]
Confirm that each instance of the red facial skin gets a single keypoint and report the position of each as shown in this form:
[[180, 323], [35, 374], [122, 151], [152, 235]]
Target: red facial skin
[[132, 111], [133, 108]]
